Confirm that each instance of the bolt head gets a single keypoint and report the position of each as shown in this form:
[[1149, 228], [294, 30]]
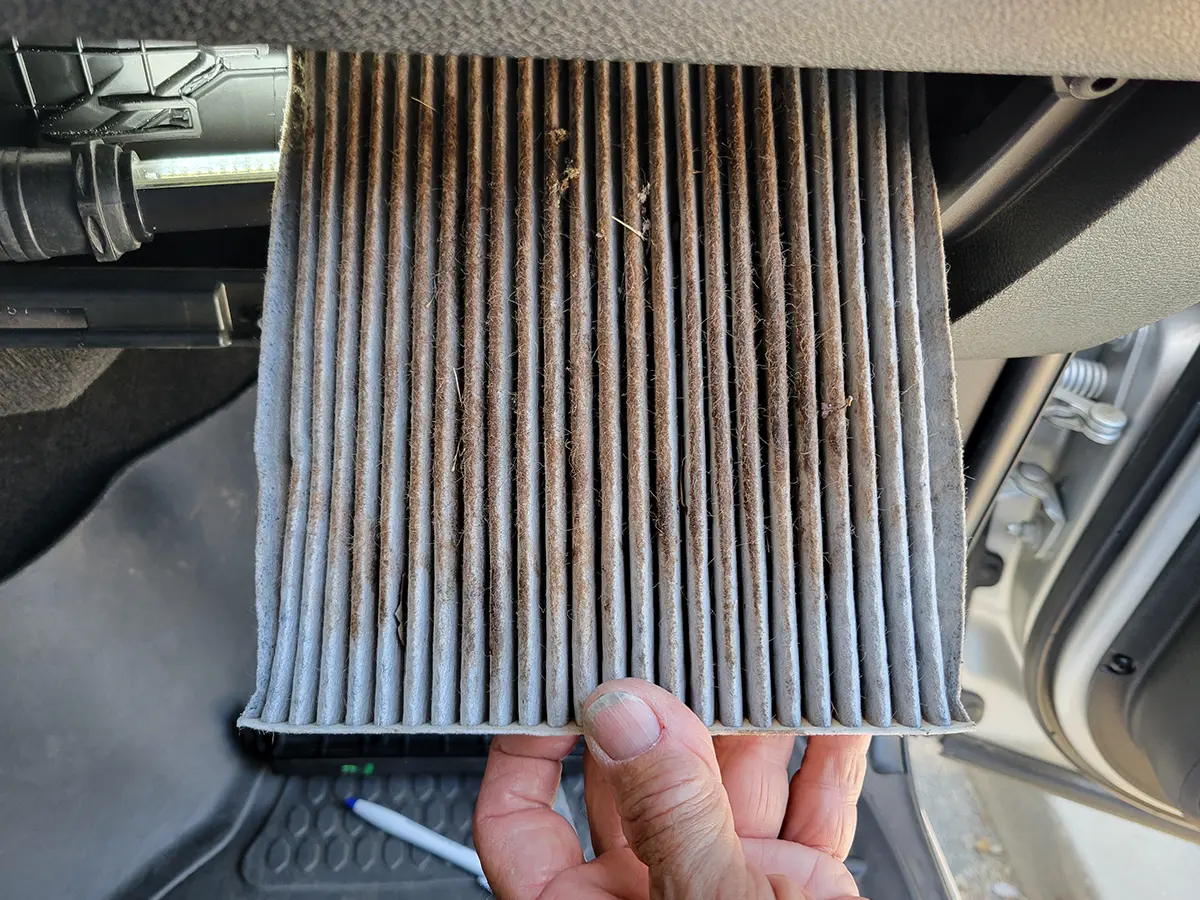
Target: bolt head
[[1032, 472], [1120, 664]]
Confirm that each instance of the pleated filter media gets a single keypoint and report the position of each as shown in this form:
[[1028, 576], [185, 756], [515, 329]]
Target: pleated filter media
[[577, 370]]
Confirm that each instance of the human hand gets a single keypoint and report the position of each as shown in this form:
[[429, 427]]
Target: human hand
[[673, 812]]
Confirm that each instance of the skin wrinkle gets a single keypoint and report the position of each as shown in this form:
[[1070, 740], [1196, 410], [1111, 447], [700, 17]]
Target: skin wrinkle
[[654, 811], [819, 796], [754, 771]]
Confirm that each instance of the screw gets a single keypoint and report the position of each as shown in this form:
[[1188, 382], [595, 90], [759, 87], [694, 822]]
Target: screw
[[1034, 473], [1029, 532], [1120, 664]]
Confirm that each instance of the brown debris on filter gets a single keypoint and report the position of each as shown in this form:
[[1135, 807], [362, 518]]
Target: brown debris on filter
[[860, 416], [585, 667], [724, 533], [554, 412], [472, 679], [447, 348], [753, 561], [360, 665], [805, 445], [637, 417], [695, 462], [835, 471], [335, 619], [501, 638], [420, 481], [570, 174], [666, 433], [397, 348], [784, 635], [613, 652], [528, 422], [277, 691]]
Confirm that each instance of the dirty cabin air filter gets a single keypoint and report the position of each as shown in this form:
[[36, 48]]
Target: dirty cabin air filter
[[579, 370]]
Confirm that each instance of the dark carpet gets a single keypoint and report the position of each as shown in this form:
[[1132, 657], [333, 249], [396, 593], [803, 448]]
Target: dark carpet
[[53, 465]]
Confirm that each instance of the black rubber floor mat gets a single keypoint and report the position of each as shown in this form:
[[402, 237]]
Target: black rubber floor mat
[[305, 847], [312, 841], [125, 651]]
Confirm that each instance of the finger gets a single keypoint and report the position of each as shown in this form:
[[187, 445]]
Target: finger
[[618, 875], [822, 810], [522, 842], [658, 759], [817, 874], [754, 772], [603, 818]]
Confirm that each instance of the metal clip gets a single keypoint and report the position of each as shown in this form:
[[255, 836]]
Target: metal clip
[[1099, 422], [1034, 481]]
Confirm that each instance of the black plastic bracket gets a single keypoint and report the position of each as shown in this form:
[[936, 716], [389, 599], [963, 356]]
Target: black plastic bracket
[[107, 199], [128, 307], [69, 202]]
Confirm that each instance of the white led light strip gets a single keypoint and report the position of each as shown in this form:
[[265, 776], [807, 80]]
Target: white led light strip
[[191, 171]]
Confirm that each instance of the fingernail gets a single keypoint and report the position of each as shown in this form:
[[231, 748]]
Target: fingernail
[[622, 725]]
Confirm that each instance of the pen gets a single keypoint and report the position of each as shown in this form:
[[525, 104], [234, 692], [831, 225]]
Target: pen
[[391, 822]]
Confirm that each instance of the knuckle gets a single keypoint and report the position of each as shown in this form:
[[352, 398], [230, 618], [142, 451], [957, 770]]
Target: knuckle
[[838, 831], [671, 816]]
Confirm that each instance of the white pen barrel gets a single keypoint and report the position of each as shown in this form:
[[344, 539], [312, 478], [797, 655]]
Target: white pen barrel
[[418, 835]]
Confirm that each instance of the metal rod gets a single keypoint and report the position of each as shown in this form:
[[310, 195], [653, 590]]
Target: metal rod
[[1057, 780], [1004, 424]]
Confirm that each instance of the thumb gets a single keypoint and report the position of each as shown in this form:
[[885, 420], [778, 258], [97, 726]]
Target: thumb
[[658, 760]]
